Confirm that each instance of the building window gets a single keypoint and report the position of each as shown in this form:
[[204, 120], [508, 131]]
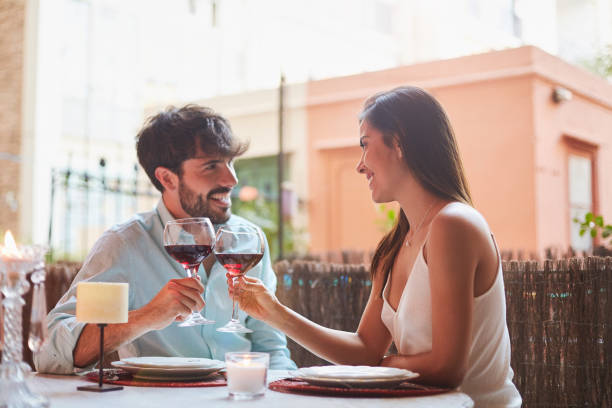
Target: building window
[[259, 172], [580, 179]]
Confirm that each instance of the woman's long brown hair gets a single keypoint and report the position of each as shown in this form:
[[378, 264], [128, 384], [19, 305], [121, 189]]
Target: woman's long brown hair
[[418, 123]]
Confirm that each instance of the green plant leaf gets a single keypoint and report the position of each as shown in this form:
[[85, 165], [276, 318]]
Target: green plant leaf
[[582, 231], [588, 217], [593, 233], [576, 220], [599, 220], [606, 233]]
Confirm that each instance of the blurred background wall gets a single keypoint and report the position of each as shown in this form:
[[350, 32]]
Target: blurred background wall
[[79, 77]]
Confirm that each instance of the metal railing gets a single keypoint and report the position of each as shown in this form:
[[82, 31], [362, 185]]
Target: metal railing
[[83, 204]]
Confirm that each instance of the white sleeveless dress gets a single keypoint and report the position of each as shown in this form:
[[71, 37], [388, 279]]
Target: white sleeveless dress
[[488, 380]]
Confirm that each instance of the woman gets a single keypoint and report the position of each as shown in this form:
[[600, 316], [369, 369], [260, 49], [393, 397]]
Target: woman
[[437, 285]]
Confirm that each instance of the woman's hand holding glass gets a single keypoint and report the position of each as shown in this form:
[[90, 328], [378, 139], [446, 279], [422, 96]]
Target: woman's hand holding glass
[[238, 248], [253, 297]]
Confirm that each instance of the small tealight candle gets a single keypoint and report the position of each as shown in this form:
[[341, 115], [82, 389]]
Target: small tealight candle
[[247, 374], [102, 302]]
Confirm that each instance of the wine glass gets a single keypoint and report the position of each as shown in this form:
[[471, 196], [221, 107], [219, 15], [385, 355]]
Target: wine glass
[[238, 248], [189, 241]]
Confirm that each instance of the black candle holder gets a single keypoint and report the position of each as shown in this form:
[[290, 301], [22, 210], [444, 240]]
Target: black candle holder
[[101, 387]]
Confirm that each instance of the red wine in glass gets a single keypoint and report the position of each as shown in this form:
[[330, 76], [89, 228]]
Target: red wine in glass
[[238, 264], [188, 255], [188, 241]]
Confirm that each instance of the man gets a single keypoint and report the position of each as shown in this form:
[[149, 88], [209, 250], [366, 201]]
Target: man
[[188, 154]]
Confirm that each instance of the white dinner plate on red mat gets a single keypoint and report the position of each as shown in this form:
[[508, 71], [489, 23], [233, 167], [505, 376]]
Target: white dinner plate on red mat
[[172, 362], [354, 376], [161, 374]]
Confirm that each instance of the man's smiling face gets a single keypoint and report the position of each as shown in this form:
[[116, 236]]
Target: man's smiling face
[[205, 185]]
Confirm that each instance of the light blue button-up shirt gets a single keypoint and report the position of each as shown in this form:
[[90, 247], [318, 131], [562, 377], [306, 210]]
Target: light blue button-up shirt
[[133, 252]]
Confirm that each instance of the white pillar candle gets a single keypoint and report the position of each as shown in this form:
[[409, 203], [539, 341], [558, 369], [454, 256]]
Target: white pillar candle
[[102, 302]]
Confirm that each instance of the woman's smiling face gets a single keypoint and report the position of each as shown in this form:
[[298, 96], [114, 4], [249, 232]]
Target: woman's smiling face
[[380, 163]]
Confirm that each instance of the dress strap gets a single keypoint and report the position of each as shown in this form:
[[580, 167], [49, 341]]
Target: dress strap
[[496, 247]]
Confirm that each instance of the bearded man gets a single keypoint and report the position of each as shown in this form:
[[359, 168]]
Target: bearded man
[[188, 154]]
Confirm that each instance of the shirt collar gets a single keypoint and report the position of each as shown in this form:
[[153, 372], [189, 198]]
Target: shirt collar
[[164, 214]]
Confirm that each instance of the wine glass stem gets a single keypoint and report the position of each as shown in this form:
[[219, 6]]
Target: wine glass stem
[[192, 272], [234, 308]]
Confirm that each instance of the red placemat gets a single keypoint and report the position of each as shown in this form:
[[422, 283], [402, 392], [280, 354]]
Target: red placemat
[[291, 385], [121, 377]]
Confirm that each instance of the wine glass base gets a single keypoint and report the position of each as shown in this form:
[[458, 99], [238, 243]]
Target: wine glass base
[[234, 327], [196, 319]]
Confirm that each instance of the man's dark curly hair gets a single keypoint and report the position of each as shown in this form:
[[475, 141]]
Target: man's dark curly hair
[[178, 134]]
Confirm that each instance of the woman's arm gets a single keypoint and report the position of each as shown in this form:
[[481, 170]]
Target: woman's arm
[[366, 346], [452, 257]]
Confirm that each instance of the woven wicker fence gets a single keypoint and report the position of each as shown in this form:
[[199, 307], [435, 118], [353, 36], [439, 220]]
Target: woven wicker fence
[[559, 316], [560, 322], [333, 295]]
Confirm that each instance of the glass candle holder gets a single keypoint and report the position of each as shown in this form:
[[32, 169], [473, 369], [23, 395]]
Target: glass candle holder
[[247, 374], [15, 263]]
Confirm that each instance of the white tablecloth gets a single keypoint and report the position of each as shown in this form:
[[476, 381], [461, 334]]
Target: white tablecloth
[[61, 391]]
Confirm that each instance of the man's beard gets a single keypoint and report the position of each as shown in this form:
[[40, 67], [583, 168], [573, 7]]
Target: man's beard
[[196, 206]]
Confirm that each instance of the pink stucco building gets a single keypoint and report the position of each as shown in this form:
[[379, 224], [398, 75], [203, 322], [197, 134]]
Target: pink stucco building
[[535, 134]]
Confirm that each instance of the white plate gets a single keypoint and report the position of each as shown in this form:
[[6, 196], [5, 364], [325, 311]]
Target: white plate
[[172, 362], [173, 378], [156, 373], [354, 376], [354, 372]]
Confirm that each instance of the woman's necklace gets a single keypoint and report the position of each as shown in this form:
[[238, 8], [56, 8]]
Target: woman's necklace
[[418, 228]]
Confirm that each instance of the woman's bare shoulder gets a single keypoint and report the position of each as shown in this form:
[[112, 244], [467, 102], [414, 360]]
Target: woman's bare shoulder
[[458, 236], [460, 224], [462, 217]]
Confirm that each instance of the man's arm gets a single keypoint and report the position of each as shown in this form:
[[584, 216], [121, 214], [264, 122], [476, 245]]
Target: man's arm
[[115, 335], [175, 301], [73, 343]]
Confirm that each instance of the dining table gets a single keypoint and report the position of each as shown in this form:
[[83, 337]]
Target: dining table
[[61, 390]]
